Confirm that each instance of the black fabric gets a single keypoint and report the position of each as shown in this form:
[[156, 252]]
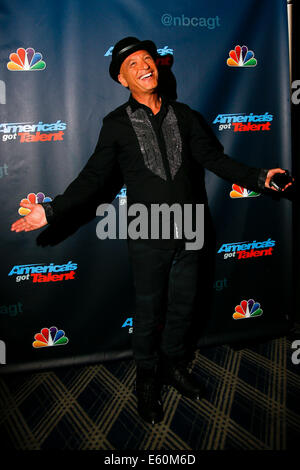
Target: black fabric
[[166, 285], [118, 145]]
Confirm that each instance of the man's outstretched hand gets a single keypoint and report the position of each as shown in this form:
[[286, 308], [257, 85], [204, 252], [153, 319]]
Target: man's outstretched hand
[[34, 220], [270, 174]]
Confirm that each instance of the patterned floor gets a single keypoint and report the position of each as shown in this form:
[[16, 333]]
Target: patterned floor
[[252, 404]]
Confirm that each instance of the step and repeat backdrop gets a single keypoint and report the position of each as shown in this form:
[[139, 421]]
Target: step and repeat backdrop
[[68, 297]]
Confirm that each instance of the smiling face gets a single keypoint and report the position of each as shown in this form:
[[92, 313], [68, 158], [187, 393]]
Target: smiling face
[[139, 73]]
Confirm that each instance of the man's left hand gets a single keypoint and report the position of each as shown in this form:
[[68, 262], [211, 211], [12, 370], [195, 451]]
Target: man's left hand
[[270, 174]]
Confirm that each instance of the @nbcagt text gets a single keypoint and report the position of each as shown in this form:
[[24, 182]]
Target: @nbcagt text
[[151, 459]]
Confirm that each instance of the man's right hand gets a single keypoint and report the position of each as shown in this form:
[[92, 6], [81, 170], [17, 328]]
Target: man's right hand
[[34, 220]]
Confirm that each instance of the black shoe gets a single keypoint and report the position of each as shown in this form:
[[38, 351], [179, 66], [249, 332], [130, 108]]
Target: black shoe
[[178, 377], [148, 390]]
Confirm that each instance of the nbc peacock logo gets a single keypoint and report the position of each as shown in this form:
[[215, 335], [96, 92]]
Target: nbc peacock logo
[[50, 337], [33, 198], [240, 192], [241, 57], [247, 309], [26, 60]]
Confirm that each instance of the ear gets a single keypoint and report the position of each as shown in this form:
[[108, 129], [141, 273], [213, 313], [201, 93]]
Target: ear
[[122, 80]]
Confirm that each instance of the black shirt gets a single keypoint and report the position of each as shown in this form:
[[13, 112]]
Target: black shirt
[[155, 154]]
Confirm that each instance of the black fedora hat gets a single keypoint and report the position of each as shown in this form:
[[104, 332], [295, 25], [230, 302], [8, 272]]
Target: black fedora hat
[[124, 48]]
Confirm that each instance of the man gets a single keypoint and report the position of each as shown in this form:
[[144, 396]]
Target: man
[[154, 142]]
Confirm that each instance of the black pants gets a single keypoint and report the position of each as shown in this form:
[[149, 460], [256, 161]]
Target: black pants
[[166, 285]]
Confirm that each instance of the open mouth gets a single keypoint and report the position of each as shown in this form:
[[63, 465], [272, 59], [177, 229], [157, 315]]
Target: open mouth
[[148, 75]]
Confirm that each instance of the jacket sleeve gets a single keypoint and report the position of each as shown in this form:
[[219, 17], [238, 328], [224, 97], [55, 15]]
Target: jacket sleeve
[[90, 180], [214, 159]]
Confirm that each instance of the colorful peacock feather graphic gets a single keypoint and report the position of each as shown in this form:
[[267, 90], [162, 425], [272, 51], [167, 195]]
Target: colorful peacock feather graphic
[[247, 309], [34, 199], [25, 60], [239, 191], [241, 57], [50, 337]]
